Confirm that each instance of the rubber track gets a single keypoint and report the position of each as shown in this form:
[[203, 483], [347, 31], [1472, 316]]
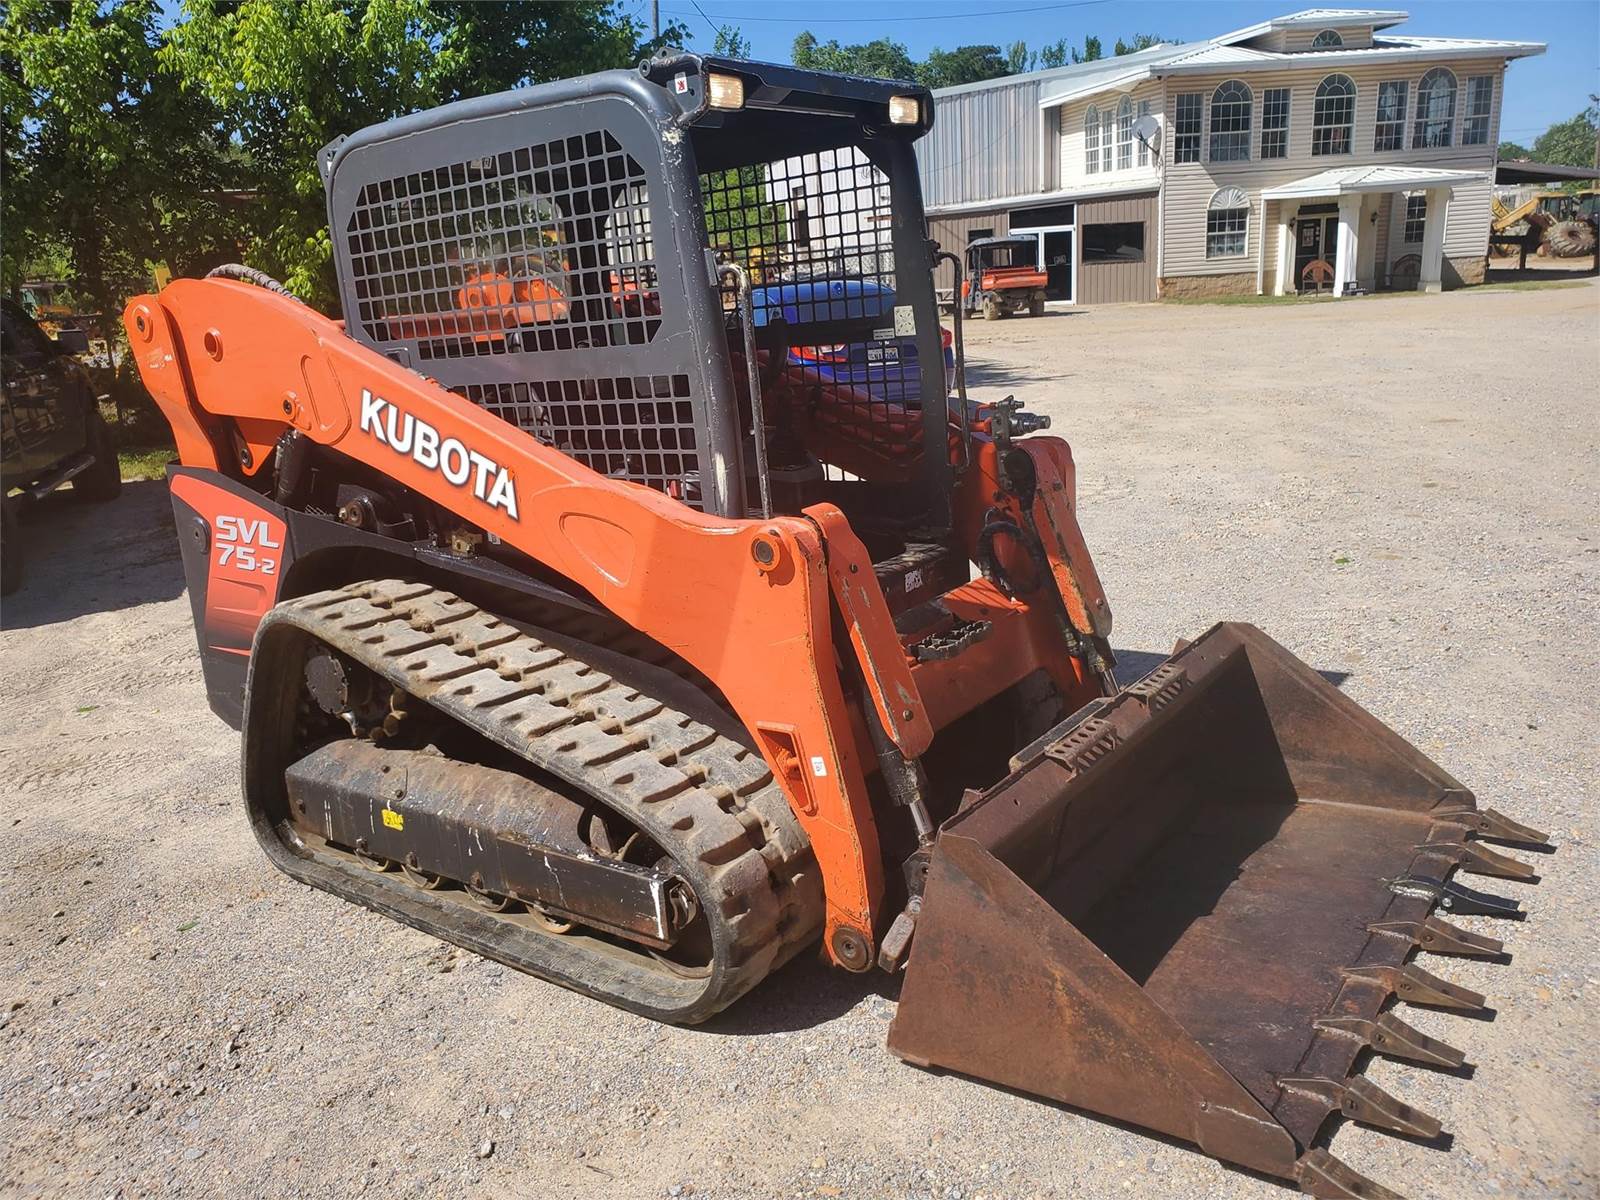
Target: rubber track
[[611, 741]]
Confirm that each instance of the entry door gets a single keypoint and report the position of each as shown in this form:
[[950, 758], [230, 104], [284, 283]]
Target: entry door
[[1315, 237], [1058, 265]]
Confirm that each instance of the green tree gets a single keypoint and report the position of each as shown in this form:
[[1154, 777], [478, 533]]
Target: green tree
[[287, 76], [109, 165], [964, 64], [1511, 150], [1057, 54], [1571, 143], [1141, 41], [880, 59], [730, 42], [1092, 51]]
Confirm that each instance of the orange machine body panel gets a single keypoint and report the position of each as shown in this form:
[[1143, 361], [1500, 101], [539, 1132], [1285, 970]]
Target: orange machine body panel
[[233, 367]]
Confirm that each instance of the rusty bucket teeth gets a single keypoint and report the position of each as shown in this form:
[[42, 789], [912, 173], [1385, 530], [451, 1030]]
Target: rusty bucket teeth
[[1365, 1102], [1321, 1174], [1496, 826], [1391, 1036], [1415, 986], [1455, 898], [1440, 937], [1480, 860]]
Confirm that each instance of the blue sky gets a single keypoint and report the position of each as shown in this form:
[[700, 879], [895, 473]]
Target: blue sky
[[1539, 91]]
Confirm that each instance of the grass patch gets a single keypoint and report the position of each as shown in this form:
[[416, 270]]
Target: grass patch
[[145, 462]]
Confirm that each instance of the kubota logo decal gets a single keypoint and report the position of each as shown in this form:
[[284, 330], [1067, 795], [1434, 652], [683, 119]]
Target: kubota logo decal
[[406, 434]]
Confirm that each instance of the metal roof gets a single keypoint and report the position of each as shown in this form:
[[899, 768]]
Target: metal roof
[[1522, 171], [1205, 58], [1344, 181], [1322, 18]]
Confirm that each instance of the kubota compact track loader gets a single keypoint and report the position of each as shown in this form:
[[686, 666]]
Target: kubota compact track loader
[[569, 617]]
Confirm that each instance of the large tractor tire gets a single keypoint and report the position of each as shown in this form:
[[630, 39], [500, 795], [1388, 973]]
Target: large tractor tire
[[1570, 239], [103, 481], [1036, 305], [993, 310]]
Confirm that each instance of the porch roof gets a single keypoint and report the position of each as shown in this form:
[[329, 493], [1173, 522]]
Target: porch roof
[[1344, 181]]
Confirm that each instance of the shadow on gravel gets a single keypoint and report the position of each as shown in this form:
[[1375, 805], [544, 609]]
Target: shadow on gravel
[[987, 373], [87, 558], [806, 993]]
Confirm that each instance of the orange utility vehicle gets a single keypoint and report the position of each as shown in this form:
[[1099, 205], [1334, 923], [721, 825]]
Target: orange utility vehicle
[[568, 618], [1003, 277]]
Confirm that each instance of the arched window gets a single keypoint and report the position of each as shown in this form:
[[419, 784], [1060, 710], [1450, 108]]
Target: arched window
[[1227, 223], [1230, 122], [1436, 110], [1328, 39], [1091, 140], [1125, 134], [1333, 116]]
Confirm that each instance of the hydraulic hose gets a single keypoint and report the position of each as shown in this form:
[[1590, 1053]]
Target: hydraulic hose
[[250, 275]]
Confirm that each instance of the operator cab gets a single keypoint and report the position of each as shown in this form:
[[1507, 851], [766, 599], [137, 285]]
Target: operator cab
[[620, 266]]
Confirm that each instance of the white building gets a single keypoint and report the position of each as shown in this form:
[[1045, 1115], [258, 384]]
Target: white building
[[1318, 149]]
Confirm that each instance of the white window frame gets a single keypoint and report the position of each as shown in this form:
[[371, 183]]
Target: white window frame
[[1337, 42], [1421, 219], [1420, 122], [1228, 199], [1178, 132], [1319, 126], [1469, 115], [1091, 140], [1239, 105], [1288, 118], [1396, 126], [1108, 133], [1125, 134]]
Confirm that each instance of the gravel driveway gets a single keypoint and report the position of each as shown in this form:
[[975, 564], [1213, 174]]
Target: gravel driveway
[[1400, 489]]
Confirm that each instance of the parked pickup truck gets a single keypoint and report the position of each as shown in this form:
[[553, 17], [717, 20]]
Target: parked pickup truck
[[51, 431]]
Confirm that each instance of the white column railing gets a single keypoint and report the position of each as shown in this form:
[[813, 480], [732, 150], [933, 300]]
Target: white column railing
[[1344, 267]]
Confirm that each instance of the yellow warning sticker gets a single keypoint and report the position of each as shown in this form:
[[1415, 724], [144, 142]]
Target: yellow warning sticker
[[393, 819]]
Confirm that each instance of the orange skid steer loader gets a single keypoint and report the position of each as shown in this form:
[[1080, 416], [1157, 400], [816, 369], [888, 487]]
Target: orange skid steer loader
[[567, 616]]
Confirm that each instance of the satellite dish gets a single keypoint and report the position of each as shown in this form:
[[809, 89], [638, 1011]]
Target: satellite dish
[[1148, 129]]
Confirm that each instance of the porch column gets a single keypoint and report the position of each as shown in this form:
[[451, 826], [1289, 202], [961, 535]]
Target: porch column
[[1287, 211], [1431, 278], [1344, 269]]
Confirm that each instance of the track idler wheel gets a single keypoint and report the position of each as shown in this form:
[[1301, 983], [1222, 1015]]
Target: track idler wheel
[[485, 899], [426, 880]]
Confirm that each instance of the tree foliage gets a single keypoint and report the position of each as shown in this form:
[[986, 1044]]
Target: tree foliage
[[1571, 142], [288, 76], [886, 59], [109, 163], [138, 133]]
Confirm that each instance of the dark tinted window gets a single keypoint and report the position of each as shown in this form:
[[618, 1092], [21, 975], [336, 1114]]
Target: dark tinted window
[[1119, 242], [22, 336]]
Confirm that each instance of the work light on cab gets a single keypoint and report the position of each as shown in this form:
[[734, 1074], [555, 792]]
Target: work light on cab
[[725, 91], [904, 110]]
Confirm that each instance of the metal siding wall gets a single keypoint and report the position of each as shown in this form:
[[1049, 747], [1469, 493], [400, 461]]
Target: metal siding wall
[[951, 234], [1112, 283], [984, 145]]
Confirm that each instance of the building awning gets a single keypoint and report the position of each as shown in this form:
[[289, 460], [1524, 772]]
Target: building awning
[[1523, 171], [1347, 181]]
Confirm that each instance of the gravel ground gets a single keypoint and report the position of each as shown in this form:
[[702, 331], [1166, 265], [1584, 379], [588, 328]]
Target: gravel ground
[[1399, 489]]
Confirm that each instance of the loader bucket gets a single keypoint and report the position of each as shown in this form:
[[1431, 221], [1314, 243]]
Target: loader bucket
[[1188, 908]]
